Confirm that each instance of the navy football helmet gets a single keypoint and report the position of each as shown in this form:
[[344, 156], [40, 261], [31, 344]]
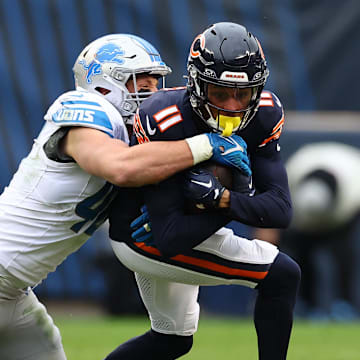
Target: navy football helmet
[[225, 54]]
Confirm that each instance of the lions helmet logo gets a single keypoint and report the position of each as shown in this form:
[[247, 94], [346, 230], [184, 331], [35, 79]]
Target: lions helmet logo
[[107, 53]]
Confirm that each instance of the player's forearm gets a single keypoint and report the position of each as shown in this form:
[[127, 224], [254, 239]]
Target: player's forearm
[[265, 210], [138, 165], [270, 209], [271, 206], [152, 162], [155, 161]]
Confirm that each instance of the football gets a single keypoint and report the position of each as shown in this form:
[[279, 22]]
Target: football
[[231, 178], [223, 173]]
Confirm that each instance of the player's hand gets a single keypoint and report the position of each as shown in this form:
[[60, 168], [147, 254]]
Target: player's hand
[[141, 227], [203, 188], [230, 151]]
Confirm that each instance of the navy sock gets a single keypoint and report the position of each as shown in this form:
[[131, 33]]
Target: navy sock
[[274, 308], [152, 346]]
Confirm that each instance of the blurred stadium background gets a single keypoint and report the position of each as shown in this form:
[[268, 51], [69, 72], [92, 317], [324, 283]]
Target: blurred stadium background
[[312, 48]]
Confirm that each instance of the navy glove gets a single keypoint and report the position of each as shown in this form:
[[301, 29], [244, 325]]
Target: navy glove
[[141, 227], [230, 151], [202, 188]]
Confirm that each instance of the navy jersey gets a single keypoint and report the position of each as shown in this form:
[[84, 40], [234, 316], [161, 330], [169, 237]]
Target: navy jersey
[[168, 115]]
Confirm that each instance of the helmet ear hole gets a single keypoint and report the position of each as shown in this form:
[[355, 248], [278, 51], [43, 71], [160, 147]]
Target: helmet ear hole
[[102, 90]]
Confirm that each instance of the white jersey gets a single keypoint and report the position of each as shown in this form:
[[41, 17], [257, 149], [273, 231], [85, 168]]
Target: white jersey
[[51, 208]]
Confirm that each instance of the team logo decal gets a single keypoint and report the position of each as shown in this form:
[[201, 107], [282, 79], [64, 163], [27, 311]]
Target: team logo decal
[[199, 41], [107, 53], [150, 130]]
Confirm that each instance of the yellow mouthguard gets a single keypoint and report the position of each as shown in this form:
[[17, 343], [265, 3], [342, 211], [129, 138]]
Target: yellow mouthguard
[[228, 123]]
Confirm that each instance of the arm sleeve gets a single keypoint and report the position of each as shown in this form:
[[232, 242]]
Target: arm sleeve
[[271, 206], [174, 231]]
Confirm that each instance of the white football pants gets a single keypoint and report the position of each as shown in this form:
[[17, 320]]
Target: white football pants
[[169, 286], [27, 332]]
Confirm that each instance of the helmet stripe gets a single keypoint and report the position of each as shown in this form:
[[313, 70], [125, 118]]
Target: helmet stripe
[[152, 51]]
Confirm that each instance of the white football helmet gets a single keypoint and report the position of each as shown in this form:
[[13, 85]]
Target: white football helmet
[[106, 64]]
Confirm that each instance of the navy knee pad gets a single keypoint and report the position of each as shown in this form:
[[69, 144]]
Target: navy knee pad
[[283, 278], [172, 346], [153, 346]]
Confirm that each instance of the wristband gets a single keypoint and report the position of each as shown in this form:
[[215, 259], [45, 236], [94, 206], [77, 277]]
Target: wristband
[[200, 148]]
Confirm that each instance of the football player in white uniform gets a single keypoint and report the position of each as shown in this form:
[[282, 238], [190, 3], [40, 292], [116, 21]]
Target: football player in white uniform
[[61, 191]]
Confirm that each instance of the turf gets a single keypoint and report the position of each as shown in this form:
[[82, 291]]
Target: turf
[[217, 338]]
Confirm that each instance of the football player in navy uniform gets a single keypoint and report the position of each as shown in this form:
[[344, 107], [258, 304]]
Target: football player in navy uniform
[[176, 249]]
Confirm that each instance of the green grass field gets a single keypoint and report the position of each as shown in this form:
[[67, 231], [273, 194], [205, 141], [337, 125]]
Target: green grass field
[[92, 338]]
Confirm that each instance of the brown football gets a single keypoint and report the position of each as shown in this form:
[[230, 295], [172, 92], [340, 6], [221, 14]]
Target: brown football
[[223, 173], [231, 178]]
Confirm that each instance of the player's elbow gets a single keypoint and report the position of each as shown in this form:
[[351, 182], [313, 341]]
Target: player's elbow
[[122, 179], [288, 214], [284, 222], [280, 213], [288, 218], [278, 216], [126, 176], [131, 174], [284, 218]]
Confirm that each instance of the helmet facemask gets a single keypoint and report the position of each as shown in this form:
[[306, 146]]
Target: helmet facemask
[[236, 120], [134, 99], [125, 101]]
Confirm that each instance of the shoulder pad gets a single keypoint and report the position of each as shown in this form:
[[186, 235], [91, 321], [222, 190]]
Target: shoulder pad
[[81, 108], [159, 116]]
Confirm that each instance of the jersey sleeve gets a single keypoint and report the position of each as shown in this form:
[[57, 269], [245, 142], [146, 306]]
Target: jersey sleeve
[[270, 207], [79, 108], [271, 117]]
